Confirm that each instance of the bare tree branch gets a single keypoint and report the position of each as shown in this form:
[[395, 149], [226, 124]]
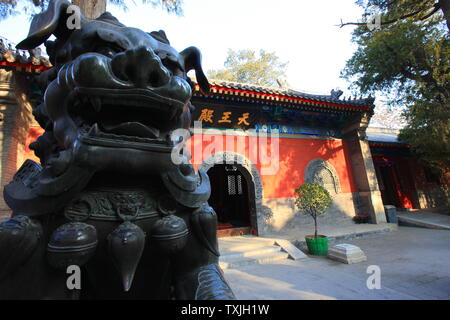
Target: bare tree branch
[[436, 8]]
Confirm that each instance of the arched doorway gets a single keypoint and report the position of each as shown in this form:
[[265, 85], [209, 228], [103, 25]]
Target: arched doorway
[[232, 197]]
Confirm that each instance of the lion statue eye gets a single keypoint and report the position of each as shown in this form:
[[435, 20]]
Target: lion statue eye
[[174, 67]]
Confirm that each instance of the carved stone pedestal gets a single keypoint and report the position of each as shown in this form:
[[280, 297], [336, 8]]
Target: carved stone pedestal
[[346, 253]]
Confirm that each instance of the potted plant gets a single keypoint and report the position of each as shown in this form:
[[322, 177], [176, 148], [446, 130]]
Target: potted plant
[[313, 199]]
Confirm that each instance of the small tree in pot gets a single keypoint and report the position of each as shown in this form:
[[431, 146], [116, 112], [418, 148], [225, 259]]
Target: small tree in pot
[[313, 199]]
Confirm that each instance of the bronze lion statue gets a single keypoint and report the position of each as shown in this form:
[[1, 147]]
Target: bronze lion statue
[[114, 195]]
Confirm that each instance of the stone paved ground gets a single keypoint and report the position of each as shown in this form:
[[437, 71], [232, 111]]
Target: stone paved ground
[[414, 263]]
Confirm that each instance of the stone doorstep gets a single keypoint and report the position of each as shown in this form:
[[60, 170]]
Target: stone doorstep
[[259, 251], [243, 243], [256, 259], [242, 251]]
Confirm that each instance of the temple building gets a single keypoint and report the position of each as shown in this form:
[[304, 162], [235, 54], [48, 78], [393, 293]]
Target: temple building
[[258, 145]]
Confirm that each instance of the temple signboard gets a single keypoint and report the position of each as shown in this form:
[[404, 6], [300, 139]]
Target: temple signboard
[[226, 118], [259, 119]]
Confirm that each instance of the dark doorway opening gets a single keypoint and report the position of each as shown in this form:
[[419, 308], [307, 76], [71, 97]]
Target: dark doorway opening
[[232, 197], [387, 185]]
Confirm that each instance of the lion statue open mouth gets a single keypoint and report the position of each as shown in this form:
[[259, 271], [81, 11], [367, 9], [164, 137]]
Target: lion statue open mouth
[[107, 196], [121, 84]]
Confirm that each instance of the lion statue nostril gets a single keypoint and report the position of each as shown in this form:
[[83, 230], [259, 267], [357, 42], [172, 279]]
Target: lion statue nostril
[[159, 77], [153, 79]]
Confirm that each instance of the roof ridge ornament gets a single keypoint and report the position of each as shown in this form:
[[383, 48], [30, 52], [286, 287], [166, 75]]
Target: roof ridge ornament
[[335, 94], [282, 83]]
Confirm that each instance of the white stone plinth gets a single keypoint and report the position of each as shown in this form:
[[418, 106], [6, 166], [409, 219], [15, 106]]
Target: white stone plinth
[[346, 253]]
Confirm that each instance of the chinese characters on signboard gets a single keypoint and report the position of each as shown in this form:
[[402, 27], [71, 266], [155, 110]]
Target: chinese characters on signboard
[[217, 117]]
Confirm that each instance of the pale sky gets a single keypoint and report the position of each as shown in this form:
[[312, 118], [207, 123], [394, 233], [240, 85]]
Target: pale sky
[[303, 32]]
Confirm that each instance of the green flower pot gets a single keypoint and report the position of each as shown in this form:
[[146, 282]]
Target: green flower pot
[[317, 246]]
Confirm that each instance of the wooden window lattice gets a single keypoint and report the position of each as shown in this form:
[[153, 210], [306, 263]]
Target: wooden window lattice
[[234, 185]]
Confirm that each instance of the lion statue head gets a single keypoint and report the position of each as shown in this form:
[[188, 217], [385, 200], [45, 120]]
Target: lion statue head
[[114, 101]]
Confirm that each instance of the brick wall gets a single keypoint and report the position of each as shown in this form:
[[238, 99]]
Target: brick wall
[[15, 121]]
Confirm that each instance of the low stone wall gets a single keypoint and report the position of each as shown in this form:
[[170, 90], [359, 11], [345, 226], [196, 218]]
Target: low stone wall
[[280, 214], [432, 198]]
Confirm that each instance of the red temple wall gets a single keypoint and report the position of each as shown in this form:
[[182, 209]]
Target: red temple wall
[[293, 157], [295, 154], [33, 134]]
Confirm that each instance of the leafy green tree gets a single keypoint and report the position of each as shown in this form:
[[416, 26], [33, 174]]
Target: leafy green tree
[[407, 59], [248, 67], [314, 200]]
